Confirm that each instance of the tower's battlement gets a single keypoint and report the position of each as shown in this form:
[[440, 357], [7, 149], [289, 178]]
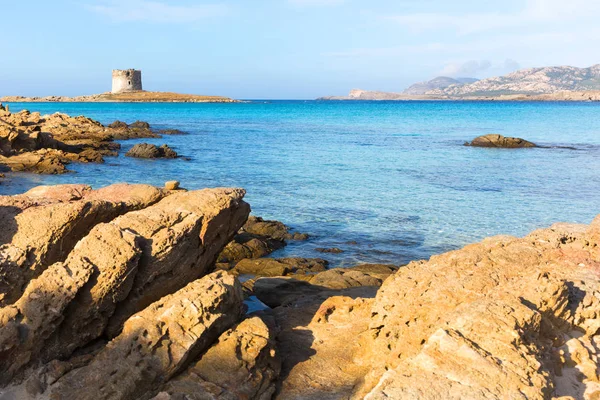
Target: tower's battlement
[[126, 80]]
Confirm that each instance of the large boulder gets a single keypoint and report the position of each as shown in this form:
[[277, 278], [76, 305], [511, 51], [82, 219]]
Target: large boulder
[[244, 364], [157, 343], [495, 140], [182, 236], [112, 254], [504, 318], [43, 225], [116, 270], [25, 325]]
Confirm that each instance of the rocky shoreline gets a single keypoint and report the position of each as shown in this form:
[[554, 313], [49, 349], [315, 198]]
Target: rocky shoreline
[[132, 292], [47, 144]]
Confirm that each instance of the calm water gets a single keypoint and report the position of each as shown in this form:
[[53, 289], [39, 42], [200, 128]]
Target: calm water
[[392, 176]]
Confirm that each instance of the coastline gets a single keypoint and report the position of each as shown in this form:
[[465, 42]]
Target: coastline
[[125, 97], [569, 96], [105, 295]]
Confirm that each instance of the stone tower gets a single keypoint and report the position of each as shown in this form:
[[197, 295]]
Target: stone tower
[[126, 80]]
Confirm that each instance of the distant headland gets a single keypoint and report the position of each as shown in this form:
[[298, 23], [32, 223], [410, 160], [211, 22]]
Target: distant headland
[[535, 84], [126, 88]]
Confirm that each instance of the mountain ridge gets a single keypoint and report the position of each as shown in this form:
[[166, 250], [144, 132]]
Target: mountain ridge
[[554, 83]]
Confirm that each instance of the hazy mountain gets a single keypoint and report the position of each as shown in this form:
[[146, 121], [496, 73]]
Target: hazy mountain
[[441, 82], [528, 81]]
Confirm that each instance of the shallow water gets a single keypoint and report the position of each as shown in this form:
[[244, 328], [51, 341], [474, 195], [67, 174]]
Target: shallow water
[[393, 177]]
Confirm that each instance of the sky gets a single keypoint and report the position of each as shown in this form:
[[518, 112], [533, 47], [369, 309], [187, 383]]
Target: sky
[[284, 49]]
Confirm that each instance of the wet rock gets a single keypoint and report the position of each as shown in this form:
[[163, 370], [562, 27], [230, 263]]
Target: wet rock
[[256, 239], [332, 250], [146, 150], [118, 125], [244, 364], [47, 144], [139, 125], [171, 132], [495, 140], [280, 266], [271, 229], [158, 342]]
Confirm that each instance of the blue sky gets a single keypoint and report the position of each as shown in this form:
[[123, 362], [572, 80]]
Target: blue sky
[[292, 49]]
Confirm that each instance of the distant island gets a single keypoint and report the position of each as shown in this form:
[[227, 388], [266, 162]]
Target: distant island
[[126, 88], [534, 84]]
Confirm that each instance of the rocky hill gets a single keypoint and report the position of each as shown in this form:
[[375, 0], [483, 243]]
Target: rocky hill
[[441, 82], [533, 81], [534, 84]]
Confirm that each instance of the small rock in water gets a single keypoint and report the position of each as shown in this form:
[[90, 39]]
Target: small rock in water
[[140, 125], [172, 185], [171, 132], [118, 125], [334, 250], [147, 150], [495, 140]]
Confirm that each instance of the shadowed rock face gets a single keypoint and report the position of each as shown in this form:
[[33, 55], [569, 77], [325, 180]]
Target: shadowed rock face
[[500, 141], [244, 364], [158, 342]]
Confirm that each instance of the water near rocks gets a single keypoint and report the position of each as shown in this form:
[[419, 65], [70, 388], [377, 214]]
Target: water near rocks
[[382, 181]]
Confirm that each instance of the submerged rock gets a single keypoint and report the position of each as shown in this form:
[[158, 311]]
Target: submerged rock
[[495, 140], [332, 250], [146, 150], [171, 132], [257, 238]]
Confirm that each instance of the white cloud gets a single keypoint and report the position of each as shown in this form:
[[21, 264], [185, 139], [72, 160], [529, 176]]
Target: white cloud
[[475, 68], [511, 65], [315, 3], [466, 69], [533, 12], [154, 11]]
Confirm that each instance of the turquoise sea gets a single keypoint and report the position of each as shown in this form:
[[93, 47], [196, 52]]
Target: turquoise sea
[[384, 181]]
